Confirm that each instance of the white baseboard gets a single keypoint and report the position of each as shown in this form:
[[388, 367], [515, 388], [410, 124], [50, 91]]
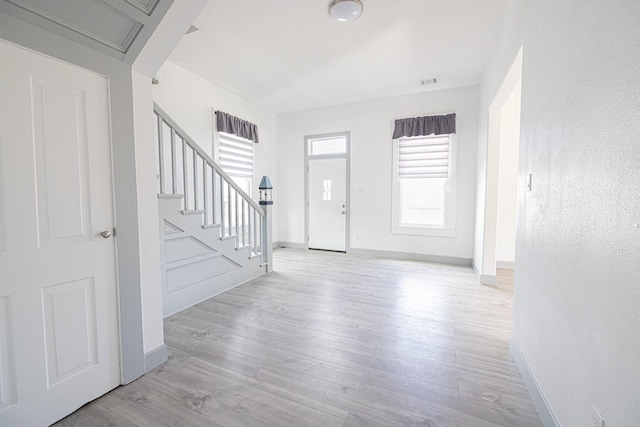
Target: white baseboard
[[292, 245], [412, 256], [441, 259], [155, 358], [540, 401], [488, 279], [507, 265]]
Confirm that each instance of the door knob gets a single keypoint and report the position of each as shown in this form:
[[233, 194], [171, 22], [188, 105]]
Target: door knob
[[106, 234]]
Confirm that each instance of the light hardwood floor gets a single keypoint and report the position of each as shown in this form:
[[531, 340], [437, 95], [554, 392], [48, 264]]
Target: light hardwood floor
[[331, 339]]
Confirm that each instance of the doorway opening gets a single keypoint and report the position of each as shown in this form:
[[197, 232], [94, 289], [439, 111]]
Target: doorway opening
[[499, 233], [327, 183]]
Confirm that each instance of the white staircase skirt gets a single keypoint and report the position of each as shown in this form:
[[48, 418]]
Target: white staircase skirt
[[196, 262]]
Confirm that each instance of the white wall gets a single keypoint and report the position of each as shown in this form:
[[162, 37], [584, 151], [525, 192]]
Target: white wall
[[370, 124], [508, 179], [150, 277], [191, 100], [577, 289]]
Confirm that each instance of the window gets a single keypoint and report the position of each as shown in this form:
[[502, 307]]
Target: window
[[327, 145], [235, 155], [424, 185]]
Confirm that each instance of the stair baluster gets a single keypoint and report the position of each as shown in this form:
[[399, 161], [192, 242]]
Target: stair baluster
[[206, 188]]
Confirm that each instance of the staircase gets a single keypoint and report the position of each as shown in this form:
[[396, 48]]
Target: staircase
[[212, 232]]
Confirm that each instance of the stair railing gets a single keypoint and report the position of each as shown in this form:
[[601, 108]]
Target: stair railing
[[186, 171]]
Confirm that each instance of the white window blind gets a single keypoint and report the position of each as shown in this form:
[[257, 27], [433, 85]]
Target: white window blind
[[424, 157], [235, 155]]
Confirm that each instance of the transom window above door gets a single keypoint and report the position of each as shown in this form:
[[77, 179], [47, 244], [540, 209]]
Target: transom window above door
[[327, 145]]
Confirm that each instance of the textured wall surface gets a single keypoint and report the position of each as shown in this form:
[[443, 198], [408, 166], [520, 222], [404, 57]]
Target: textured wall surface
[[577, 292]]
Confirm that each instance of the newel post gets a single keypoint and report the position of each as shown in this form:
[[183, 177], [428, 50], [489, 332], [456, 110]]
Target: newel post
[[266, 201]]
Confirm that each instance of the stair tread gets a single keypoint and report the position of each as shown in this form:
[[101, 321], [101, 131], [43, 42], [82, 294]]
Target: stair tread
[[192, 211], [207, 226]]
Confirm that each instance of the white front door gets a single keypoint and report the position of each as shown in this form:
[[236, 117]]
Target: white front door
[[58, 308], [327, 204]]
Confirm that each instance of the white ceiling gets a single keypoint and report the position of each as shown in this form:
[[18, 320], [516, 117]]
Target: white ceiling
[[289, 55]]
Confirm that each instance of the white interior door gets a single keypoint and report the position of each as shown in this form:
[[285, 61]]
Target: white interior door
[[59, 341], [327, 204]]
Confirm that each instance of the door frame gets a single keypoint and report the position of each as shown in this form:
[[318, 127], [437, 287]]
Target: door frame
[[347, 157], [487, 270], [133, 360]]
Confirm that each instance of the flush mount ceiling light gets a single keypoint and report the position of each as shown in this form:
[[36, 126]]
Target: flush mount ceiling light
[[345, 10]]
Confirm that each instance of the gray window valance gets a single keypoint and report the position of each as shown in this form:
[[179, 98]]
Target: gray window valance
[[230, 124], [426, 125]]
